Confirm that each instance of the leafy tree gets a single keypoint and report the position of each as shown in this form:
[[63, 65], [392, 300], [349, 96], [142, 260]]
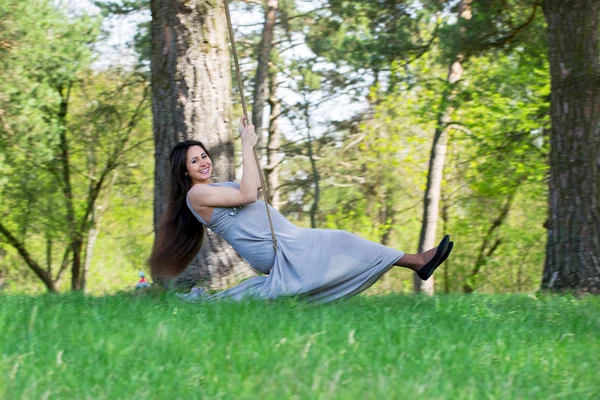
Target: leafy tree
[[62, 138]]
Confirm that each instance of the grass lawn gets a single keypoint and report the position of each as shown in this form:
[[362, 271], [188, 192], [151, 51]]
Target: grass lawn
[[377, 347]]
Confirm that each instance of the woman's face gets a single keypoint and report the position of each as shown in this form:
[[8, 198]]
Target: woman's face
[[199, 165]]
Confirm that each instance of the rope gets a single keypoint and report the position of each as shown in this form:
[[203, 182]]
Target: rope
[[241, 88]]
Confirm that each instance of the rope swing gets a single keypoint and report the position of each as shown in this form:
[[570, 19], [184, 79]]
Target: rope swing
[[241, 88]]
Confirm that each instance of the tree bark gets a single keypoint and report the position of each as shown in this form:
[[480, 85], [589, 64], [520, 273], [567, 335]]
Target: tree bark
[[191, 99], [573, 246], [261, 82]]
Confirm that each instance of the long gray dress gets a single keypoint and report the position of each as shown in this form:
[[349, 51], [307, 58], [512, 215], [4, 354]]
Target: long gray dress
[[317, 264]]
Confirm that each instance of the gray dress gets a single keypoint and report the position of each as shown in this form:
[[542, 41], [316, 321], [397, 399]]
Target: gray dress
[[319, 265]]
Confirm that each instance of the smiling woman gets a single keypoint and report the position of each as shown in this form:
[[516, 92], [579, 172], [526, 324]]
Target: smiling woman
[[317, 264], [198, 164]]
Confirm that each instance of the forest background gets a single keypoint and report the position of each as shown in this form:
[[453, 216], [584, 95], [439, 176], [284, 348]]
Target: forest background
[[352, 95]]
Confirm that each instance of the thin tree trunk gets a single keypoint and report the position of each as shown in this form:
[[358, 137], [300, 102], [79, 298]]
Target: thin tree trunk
[[94, 231], [427, 238], [433, 188], [63, 266], [445, 217], [75, 239], [191, 99], [573, 247], [49, 255], [89, 250], [262, 70], [313, 164], [273, 141]]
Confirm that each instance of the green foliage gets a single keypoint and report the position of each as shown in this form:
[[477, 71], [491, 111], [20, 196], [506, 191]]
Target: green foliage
[[489, 25], [47, 51], [499, 154], [372, 34], [467, 347], [371, 168], [65, 131]]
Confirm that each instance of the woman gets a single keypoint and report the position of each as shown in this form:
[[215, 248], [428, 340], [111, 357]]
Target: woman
[[318, 264]]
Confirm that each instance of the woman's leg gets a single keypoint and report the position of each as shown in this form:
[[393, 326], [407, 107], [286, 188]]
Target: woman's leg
[[416, 261], [425, 264]]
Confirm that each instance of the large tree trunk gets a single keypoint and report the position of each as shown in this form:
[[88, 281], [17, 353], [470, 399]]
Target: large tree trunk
[[262, 70], [573, 247], [191, 99]]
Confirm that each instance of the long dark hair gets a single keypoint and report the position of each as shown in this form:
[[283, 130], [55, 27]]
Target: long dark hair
[[180, 234]]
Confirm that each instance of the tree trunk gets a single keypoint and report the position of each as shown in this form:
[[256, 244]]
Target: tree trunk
[[313, 164], [49, 255], [191, 99], [273, 141], [431, 202], [75, 238], [89, 251], [76, 248], [427, 238], [573, 247], [262, 70], [95, 220]]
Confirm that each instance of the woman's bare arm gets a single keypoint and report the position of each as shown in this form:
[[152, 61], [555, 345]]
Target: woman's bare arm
[[258, 183], [213, 196], [250, 179]]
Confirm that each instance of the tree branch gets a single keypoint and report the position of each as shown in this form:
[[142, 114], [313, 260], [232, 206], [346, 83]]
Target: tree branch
[[509, 36], [37, 269]]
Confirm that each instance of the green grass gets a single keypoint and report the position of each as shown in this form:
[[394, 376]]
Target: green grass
[[378, 347]]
